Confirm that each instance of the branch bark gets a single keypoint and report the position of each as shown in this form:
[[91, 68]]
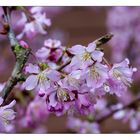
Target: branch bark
[[21, 56]]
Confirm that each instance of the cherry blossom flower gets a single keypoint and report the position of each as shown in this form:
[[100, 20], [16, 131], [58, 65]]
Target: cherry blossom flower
[[40, 79], [37, 25], [120, 77], [85, 56], [6, 115]]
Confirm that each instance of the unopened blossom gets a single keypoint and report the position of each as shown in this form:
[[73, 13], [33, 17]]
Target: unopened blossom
[[7, 114], [24, 44], [85, 56], [39, 79], [37, 25]]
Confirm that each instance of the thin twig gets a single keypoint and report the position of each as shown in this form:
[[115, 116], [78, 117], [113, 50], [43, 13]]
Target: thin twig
[[21, 55], [132, 104]]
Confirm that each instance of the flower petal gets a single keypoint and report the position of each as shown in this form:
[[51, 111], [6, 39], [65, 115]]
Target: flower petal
[[77, 49], [10, 105], [43, 53], [97, 55], [53, 75], [31, 82], [91, 47], [1, 100], [32, 68]]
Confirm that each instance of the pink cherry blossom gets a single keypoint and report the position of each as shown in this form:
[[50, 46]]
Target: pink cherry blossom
[[37, 25], [6, 115], [85, 56], [24, 44], [39, 79]]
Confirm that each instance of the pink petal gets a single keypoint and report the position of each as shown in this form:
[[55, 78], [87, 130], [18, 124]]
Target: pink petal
[[31, 82], [43, 53], [97, 55], [77, 49], [10, 105], [52, 99], [91, 47], [32, 68], [1, 100], [53, 75]]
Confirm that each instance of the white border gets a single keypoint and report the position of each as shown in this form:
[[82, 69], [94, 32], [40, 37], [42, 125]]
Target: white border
[[70, 2], [70, 137]]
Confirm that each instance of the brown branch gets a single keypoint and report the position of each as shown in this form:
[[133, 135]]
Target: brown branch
[[132, 104], [21, 56]]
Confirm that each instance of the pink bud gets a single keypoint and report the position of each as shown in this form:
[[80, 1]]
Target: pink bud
[[24, 44]]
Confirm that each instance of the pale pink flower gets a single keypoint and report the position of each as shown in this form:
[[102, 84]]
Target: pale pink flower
[[6, 115], [85, 56], [40, 79], [37, 25]]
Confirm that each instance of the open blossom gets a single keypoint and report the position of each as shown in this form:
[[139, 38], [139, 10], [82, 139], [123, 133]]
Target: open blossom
[[122, 72], [120, 77], [40, 79], [6, 115], [37, 25], [85, 56]]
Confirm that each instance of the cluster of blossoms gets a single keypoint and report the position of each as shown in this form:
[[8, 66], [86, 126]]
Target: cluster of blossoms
[[76, 87], [65, 80]]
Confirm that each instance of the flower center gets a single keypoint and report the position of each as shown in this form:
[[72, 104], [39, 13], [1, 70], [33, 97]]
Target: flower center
[[41, 76], [94, 73], [62, 95], [86, 56], [117, 74]]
